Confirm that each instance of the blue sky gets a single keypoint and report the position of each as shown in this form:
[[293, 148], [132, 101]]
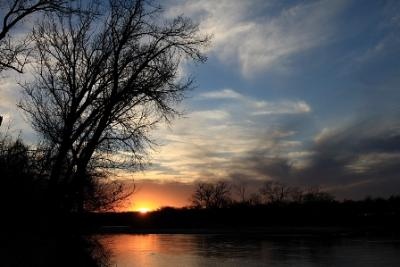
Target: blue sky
[[304, 92]]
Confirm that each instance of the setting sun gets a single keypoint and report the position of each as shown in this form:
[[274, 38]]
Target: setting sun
[[142, 205], [143, 210]]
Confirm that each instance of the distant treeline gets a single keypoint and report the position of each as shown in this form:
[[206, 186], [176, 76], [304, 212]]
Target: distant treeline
[[371, 213], [223, 194]]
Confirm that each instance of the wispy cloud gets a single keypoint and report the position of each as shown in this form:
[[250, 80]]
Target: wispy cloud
[[255, 106], [215, 114], [259, 35], [210, 143], [352, 160], [222, 94], [285, 107]]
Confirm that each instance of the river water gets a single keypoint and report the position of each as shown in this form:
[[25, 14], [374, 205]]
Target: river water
[[187, 250]]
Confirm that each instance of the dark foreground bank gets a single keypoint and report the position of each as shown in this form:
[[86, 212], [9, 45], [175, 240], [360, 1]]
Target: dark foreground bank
[[333, 218]]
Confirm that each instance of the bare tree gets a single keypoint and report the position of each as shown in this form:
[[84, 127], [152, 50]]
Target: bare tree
[[297, 194], [13, 53], [103, 194], [221, 197], [208, 195], [255, 199], [203, 195], [103, 83], [315, 194], [241, 191], [273, 192]]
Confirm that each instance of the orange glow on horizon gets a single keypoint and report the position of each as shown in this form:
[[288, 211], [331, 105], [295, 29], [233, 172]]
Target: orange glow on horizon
[[152, 196], [143, 206], [143, 210]]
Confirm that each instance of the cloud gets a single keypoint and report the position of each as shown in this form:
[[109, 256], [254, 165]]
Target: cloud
[[222, 94], [212, 139], [258, 107], [210, 114], [260, 36], [352, 161], [12, 116], [285, 107], [364, 155]]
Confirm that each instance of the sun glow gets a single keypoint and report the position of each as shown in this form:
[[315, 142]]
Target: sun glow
[[155, 195], [143, 206], [143, 210]]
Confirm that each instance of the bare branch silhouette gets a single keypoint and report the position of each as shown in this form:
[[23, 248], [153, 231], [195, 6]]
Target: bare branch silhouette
[[208, 195], [103, 83], [14, 53]]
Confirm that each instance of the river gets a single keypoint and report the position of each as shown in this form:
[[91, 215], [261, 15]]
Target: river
[[187, 250]]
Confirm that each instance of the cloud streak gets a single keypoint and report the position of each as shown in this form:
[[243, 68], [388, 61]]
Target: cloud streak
[[258, 107], [210, 143], [261, 36], [352, 161]]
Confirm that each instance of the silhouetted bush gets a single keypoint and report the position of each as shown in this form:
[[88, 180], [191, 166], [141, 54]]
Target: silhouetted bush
[[23, 184]]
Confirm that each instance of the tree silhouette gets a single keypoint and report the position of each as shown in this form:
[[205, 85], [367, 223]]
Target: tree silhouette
[[241, 191], [273, 191], [209, 195], [20, 177], [102, 83], [316, 195], [13, 53]]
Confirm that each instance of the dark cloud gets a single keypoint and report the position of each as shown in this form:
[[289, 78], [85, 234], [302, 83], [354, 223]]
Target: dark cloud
[[353, 161]]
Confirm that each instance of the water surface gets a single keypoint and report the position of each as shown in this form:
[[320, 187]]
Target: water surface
[[174, 250]]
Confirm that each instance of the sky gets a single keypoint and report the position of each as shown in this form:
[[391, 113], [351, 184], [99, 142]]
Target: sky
[[302, 92]]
